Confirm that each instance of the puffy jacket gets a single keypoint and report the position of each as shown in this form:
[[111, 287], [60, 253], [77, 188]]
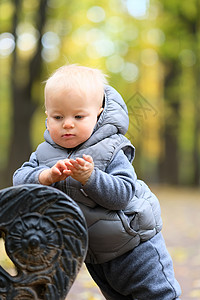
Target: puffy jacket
[[111, 232]]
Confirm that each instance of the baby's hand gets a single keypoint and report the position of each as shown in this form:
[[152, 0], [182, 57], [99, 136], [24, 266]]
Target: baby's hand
[[81, 168], [57, 173]]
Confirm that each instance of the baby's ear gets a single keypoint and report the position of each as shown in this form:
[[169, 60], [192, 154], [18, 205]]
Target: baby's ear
[[100, 111]]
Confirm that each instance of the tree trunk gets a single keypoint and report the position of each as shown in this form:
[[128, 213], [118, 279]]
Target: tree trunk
[[23, 104], [169, 163], [196, 151]]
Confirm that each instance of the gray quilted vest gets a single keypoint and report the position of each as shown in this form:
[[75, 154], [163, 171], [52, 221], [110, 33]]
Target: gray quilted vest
[[111, 233]]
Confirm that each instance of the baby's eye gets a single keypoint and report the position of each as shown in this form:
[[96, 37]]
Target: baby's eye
[[78, 117], [57, 117]]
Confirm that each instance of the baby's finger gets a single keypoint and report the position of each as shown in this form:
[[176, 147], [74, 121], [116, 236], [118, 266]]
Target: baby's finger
[[67, 163], [74, 163], [69, 166], [80, 161], [61, 165], [55, 171], [66, 160], [88, 158], [67, 172]]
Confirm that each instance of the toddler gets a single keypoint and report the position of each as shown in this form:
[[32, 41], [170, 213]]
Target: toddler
[[86, 155]]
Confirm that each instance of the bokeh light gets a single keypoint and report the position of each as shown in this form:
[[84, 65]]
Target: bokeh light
[[130, 72], [96, 14], [7, 44], [27, 36], [156, 36], [115, 63], [137, 8], [51, 44]]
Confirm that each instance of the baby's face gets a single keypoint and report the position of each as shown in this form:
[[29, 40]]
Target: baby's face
[[71, 116]]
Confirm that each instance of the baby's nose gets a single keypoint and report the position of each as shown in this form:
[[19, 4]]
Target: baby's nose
[[68, 124]]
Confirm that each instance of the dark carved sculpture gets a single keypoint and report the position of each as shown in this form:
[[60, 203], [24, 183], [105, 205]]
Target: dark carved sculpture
[[46, 238]]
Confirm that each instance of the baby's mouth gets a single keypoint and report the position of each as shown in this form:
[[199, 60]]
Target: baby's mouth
[[68, 135]]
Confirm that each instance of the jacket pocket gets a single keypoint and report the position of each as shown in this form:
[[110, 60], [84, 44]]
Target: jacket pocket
[[130, 222], [138, 217]]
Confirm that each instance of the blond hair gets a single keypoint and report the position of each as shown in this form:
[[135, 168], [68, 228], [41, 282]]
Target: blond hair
[[78, 77]]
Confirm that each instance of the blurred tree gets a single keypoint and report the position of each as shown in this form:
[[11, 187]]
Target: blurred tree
[[180, 55], [24, 73]]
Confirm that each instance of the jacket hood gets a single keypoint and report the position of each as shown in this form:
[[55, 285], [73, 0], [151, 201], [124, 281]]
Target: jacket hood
[[115, 113], [113, 119]]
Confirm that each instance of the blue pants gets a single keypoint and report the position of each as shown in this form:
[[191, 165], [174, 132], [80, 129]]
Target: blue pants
[[144, 273]]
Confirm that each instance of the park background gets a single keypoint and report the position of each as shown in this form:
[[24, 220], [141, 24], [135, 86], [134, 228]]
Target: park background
[[150, 51]]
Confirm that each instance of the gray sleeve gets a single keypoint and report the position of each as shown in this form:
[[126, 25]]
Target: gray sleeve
[[115, 187], [29, 171]]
